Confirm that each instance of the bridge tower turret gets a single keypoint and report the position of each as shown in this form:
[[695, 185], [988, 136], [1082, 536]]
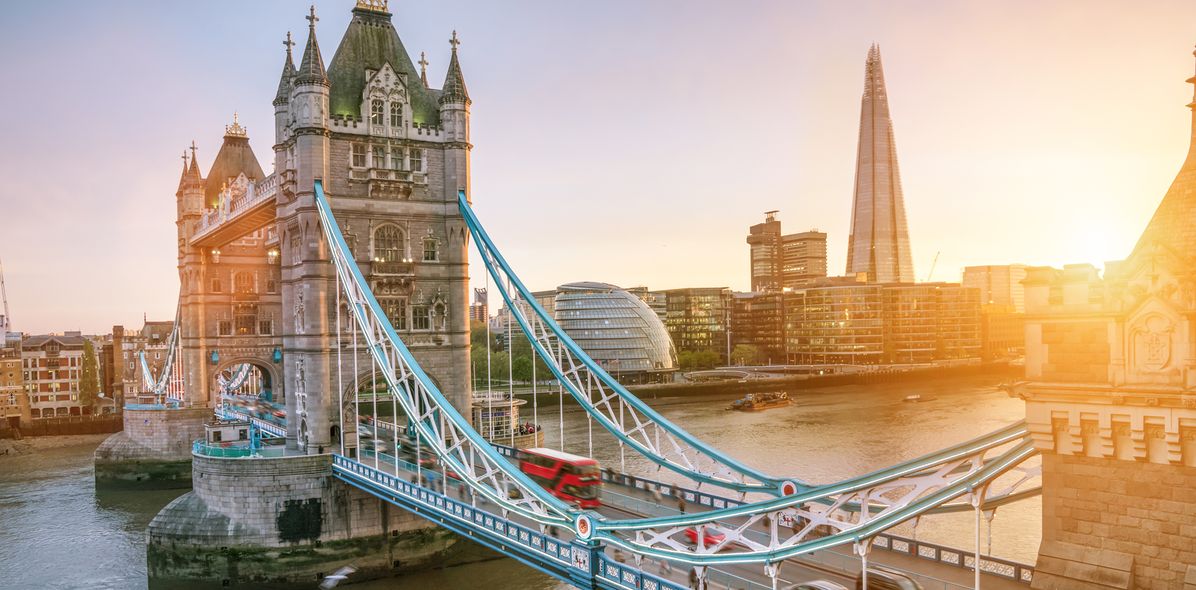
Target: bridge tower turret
[[282, 110], [307, 276]]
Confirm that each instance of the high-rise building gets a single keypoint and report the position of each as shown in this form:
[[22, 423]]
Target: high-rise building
[[697, 319], [757, 320], [998, 284], [803, 258], [842, 321], [781, 261], [1002, 307], [879, 241], [765, 241], [479, 309]]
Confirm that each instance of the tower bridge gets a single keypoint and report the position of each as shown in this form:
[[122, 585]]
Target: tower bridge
[[346, 270]]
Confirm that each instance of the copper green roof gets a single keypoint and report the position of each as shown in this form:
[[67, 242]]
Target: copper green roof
[[370, 42]]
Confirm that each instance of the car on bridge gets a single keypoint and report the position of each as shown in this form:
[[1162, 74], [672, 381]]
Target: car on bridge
[[880, 578], [817, 585], [712, 535]]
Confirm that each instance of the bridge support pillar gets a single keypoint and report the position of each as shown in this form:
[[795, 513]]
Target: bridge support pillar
[[153, 450], [286, 521]]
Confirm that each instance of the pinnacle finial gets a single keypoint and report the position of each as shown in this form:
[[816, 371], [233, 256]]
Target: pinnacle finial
[[454, 41], [289, 44], [312, 19], [423, 63], [193, 148], [235, 130]]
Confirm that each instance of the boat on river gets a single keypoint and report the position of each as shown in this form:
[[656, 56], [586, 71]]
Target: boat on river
[[755, 402]]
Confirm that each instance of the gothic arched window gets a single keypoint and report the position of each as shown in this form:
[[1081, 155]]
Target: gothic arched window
[[396, 114], [376, 111], [388, 244]]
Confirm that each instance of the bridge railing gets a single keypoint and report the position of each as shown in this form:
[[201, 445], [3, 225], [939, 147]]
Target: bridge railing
[[203, 449], [1018, 572], [465, 514]]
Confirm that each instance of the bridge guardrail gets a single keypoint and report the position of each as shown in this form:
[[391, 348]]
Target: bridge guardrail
[[207, 450], [1012, 570]]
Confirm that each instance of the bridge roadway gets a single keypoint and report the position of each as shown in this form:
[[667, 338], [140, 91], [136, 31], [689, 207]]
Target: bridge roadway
[[621, 501]]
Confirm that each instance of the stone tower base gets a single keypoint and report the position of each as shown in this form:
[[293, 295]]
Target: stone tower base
[[153, 450], [283, 522]]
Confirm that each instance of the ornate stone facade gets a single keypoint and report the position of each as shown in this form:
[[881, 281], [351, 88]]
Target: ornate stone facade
[[392, 153], [1111, 402]]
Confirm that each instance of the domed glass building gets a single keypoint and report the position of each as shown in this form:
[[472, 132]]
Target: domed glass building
[[618, 330]]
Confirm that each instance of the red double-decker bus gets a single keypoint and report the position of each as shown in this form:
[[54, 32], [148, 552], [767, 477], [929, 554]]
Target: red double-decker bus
[[569, 477]]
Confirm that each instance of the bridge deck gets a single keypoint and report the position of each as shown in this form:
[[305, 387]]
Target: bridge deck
[[621, 501]]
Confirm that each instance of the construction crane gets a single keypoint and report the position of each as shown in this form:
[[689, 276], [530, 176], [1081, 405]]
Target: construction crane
[[5, 322], [932, 265]]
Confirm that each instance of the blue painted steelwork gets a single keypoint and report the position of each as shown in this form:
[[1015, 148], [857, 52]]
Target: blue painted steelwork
[[499, 269], [159, 386], [404, 375], [564, 560], [265, 426]]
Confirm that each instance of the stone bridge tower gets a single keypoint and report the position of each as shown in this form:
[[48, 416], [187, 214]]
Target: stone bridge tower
[[391, 153], [1111, 402]]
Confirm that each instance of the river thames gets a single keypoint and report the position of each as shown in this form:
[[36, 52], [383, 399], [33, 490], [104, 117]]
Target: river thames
[[55, 532]]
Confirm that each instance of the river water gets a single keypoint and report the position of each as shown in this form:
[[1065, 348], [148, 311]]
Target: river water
[[55, 532]]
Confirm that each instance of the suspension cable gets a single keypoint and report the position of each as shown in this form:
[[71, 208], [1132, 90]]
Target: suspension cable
[[340, 385], [510, 376], [489, 382], [356, 398], [374, 392]]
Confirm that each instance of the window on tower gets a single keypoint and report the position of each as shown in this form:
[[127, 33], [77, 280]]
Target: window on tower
[[396, 158], [430, 253], [395, 310], [358, 153], [376, 111], [396, 114], [388, 244], [378, 153], [420, 318], [417, 160]]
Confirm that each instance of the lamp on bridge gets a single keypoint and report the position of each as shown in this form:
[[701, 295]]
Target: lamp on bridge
[[277, 356], [272, 255], [216, 255], [215, 357]]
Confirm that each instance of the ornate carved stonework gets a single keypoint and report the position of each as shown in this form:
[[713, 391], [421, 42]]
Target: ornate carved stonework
[[1152, 343]]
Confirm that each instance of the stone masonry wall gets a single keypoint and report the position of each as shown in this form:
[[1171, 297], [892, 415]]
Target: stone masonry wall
[[155, 446], [1141, 509], [277, 520], [1077, 352]]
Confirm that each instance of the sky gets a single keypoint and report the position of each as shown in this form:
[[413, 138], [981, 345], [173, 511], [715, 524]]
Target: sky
[[637, 139]]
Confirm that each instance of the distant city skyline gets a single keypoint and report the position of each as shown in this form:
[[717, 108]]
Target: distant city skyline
[[639, 164]]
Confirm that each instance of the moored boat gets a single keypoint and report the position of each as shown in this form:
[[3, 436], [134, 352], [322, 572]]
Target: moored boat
[[754, 402]]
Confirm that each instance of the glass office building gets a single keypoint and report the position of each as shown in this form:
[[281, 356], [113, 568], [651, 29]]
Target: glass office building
[[618, 330]]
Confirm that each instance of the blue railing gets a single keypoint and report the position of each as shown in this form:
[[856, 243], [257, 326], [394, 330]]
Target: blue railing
[[266, 426], [171, 406], [235, 451]]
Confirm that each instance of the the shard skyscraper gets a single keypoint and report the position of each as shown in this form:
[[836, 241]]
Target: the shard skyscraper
[[879, 242]]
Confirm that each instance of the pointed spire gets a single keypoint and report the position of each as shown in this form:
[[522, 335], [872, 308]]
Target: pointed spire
[[423, 68], [879, 241], [454, 82], [183, 175], [287, 78], [1192, 105], [311, 68], [193, 174]]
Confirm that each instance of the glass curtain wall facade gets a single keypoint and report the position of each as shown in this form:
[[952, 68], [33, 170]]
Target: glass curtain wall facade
[[697, 319], [618, 330], [869, 324]]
